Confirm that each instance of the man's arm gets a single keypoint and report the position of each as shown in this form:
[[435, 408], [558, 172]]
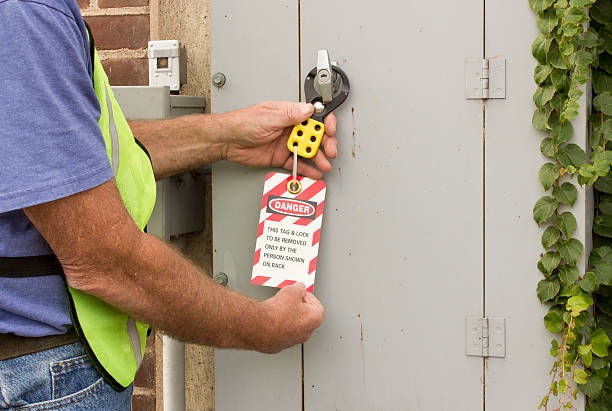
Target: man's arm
[[182, 143], [103, 253], [254, 136]]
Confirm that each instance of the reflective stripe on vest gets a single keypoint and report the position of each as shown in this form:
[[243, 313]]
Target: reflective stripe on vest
[[112, 128], [114, 136]]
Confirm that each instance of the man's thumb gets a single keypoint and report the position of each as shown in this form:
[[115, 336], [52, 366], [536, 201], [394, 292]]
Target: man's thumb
[[298, 112]]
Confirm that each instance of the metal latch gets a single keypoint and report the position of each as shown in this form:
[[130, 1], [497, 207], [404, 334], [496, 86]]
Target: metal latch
[[485, 337], [485, 78]]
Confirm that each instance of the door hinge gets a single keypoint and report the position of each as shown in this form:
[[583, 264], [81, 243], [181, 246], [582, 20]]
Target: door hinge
[[485, 78], [485, 337]]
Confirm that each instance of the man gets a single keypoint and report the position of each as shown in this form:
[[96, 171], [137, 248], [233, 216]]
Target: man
[[58, 195]]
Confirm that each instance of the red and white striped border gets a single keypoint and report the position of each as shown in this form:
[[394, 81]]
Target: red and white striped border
[[312, 190]]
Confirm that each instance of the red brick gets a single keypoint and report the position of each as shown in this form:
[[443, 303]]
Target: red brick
[[117, 32], [83, 4], [122, 3], [143, 403], [127, 71]]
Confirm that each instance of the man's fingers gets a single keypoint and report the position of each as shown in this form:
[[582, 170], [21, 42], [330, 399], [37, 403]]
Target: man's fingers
[[330, 146], [330, 124], [322, 162]]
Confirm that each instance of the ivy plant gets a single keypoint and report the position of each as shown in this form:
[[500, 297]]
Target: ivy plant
[[574, 47]]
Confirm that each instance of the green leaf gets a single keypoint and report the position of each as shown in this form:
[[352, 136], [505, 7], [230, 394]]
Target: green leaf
[[603, 103], [600, 255], [604, 184], [561, 131], [540, 118], [550, 236], [603, 271], [598, 363], [601, 168], [575, 15], [590, 38], [580, 376], [567, 290], [540, 5], [568, 275], [566, 222], [602, 82], [602, 225], [563, 385], [547, 21], [548, 174], [589, 282], [571, 111], [600, 343], [583, 58], [584, 351], [605, 205], [575, 94], [554, 347], [544, 209], [553, 322], [579, 303], [560, 79], [587, 170], [550, 261], [571, 251], [543, 95], [553, 57], [548, 148], [558, 103], [547, 289], [540, 48], [604, 62], [592, 388], [566, 46], [581, 3], [541, 73], [566, 193], [571, 155], [601, 11]]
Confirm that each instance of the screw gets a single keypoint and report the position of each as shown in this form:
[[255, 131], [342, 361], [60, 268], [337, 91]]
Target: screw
[[319, 107], [221, 278], [218, 79]]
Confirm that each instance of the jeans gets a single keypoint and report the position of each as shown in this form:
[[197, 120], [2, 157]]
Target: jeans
[[62, 379]]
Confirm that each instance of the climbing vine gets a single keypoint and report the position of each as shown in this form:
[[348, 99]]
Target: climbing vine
[[573, 47]]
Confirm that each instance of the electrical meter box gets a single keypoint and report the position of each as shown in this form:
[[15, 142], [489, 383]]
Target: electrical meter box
[[166, 67]]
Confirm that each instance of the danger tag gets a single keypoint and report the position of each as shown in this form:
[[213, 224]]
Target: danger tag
[[289, 230]]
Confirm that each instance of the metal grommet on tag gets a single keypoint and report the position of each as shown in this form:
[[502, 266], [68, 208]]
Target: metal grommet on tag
[[294, 186]]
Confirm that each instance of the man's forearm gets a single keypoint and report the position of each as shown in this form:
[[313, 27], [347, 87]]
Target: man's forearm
[[154, 283], [183, 143]]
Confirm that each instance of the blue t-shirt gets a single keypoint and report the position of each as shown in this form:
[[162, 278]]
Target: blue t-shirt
[[50, 145]]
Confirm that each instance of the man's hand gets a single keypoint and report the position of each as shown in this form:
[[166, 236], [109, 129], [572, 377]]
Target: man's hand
[[258, 137], [293, 314]]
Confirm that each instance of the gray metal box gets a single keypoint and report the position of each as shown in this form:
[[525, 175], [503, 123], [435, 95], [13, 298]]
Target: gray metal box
[[179, 207]]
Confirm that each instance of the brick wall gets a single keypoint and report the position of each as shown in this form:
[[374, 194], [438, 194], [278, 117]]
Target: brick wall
[[121, 30]]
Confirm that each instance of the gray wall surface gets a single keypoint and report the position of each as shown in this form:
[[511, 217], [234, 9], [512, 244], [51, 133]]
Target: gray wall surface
[[428, 209]]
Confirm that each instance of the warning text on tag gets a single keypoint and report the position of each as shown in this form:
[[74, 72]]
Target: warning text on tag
[[286, 250]]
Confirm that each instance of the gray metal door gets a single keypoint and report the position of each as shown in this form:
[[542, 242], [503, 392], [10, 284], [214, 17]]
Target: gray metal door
[[424, 226]]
